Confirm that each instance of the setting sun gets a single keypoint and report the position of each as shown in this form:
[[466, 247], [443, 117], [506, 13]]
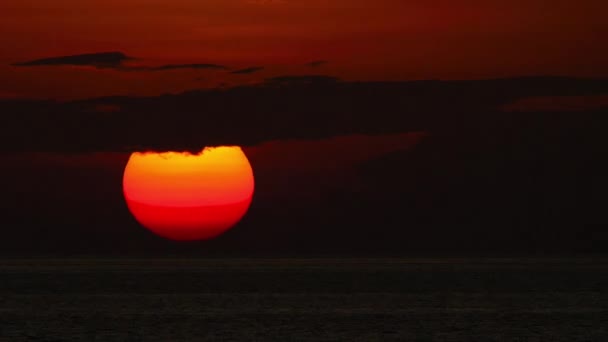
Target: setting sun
[[183, 196]]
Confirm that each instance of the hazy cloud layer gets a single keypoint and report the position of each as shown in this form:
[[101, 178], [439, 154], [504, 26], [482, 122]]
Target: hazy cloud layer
[[558, 103], [287, 107]]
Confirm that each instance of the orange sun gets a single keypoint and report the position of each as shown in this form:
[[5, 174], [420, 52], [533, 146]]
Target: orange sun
[[182, 196]]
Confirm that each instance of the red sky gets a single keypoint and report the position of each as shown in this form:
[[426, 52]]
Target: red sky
[[360, 39]]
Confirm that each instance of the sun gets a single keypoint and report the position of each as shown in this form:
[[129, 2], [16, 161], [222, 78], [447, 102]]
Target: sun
[[183, 196]]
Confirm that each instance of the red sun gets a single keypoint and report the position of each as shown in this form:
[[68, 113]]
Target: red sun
[[183, 196]]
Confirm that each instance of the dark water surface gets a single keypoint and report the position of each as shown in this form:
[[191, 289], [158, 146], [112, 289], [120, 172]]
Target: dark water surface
[[304, 299]]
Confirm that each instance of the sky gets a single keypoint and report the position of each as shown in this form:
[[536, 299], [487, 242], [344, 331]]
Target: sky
[[353, 167], [356, 39]]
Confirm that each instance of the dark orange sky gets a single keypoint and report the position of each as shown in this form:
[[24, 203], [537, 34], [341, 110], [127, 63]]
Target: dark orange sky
[[360, 39]]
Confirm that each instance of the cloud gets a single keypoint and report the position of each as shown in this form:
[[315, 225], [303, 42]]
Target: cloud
[[106, 108], [301, 79], [558, 103], [287, 107], [112, 60], [179, 66], [471, 170], [98, 60], [265, 2], [304, 162], [315, 64], [249, 70]]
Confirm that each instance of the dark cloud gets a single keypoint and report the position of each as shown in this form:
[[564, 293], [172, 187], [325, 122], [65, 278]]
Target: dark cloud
[[104, 108], [316, 63], [302, 79], [179, 66], [249, 70], [287, 107], [98, 60], [113, 60], [558, 103]]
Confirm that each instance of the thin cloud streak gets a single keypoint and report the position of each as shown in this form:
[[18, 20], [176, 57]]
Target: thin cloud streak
[[99, 60], [249, 70], [112, 60], [315, 64]]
